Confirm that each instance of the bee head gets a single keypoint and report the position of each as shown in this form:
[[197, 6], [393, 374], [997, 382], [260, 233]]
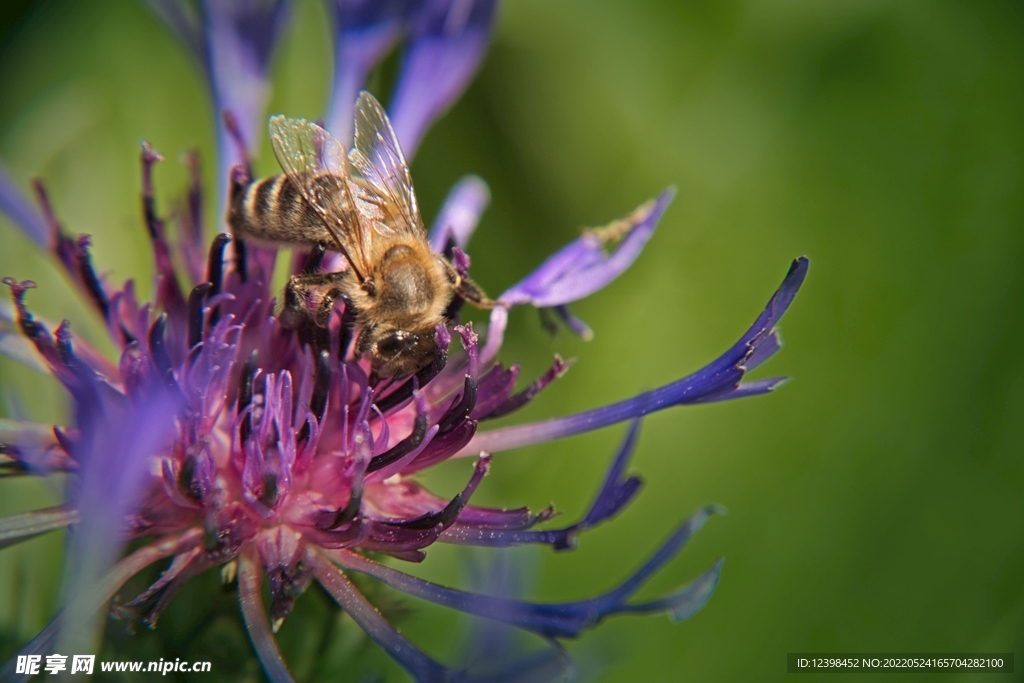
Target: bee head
[[399, 353]]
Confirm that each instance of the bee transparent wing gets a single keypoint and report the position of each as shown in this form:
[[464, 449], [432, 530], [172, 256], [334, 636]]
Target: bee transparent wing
[[381, 182], [315, 163]]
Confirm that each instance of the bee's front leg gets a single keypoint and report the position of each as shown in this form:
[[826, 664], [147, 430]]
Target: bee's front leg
[[309, 298], [467, 290]]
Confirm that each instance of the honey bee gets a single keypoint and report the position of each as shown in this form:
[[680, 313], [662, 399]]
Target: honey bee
[[361, 204]]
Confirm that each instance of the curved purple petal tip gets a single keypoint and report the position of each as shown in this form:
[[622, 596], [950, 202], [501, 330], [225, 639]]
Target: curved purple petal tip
[[241, 37], [365, 31], [717, 381], [460, 213], [564, 619], [448, 42], [616, 493], [589, 263]]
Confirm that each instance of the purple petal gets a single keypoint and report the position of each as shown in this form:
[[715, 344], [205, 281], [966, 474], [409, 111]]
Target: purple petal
[[101, 594], [18, 528], [495, 334], [40, 336], [87, 603], [503, 518], [113, 445], [444, 446], [392, 539], [516, 401], [460, 213], [36, 332], [256, 623], [20, 211], [241, 36], [190, 218], [413, 660], [114, 449], [30, 448], [72, 253], [686, 601], [765, 350], [280, 551], [408, 457], [450, 513], [494, 389], [666, 552], [151, 603], [448, 42], [615, 494], [577, 270], [720, 380], [459, 408], [562, 620], [405, 451], [761, 386], [403, 535], [168, 294], [583, 266], [365, 31], [578, 327]]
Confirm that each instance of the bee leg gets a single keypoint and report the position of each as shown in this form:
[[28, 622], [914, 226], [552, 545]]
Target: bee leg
[[348, 328], [304, 297], [295, 311], [465, 289], [364, 341], [469, 291], [315, 257], [331, 297], [317, 338]]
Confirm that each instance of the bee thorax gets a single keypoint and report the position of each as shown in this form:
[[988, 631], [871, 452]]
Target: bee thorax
[[406, 287]]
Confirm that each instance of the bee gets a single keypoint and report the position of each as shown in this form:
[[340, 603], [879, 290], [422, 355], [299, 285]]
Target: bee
[[362, 205]]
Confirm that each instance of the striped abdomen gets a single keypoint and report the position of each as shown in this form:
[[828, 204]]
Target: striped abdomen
[[272, 210]]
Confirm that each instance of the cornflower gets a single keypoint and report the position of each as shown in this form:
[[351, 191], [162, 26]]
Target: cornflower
[[219, 438]]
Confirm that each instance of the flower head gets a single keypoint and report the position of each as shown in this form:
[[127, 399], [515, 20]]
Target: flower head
[[221, 438]]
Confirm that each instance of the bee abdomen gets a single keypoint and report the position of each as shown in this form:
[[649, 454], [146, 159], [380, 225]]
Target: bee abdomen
[[272, 210]]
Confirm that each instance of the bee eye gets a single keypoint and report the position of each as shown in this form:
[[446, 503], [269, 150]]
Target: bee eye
[[394, 343]]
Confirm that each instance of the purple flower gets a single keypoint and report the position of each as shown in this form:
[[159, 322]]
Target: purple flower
[[447, 40], [219, 438], [234, 42]]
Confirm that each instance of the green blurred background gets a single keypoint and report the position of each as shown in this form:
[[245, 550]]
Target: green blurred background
[[876, 502]]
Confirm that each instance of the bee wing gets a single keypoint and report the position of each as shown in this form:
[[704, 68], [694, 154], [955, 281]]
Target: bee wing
[[381, 182], [315, 163]]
